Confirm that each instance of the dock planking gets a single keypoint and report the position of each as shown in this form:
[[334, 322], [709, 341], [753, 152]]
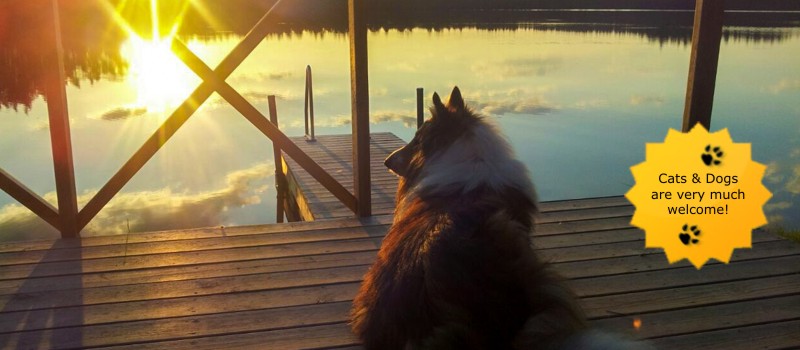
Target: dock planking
[[289, 286], [311, 201]]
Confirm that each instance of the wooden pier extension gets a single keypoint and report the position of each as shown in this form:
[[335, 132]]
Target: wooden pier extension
[[307, 200]]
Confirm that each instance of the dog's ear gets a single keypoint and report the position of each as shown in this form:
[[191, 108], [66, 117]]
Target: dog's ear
[[456, 102], [437, 102]]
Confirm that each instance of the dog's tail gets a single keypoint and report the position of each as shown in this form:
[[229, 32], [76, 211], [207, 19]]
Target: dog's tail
[[558, 321]]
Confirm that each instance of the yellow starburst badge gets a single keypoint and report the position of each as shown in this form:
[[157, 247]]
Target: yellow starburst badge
[[698, 195]]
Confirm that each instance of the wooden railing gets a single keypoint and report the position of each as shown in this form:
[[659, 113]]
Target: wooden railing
[[308, 106], [69, 221]]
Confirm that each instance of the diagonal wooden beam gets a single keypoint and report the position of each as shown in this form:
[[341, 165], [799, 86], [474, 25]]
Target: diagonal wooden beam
[[174, 122], [29, 199], [263, 124]]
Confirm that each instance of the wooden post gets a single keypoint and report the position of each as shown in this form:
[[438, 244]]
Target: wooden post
[[420, 108], [703, 63], [309, 106], [60, 139], [280, 181], [359, 85]]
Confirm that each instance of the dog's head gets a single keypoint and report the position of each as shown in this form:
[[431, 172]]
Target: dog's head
[[456, 150]]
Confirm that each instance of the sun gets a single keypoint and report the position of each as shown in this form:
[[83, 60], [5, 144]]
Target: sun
[[161, 81], [158, 78]]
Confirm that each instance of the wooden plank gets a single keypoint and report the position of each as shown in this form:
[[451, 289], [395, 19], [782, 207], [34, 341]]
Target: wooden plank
[[584, 203], [692, 296], [154, 309], [778, 335], [703, 63], [60, 136], [314, 337], [567, 227], [173, 289], [187, 272], [651, 262], [685, 276], [708, 318], [194, 234], [359, 97], [184, 327], [188, 258]]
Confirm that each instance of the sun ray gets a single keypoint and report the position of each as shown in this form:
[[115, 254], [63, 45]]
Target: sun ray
[[156, 32]]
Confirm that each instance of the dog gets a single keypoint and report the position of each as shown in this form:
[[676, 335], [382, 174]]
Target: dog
[[456, 269]]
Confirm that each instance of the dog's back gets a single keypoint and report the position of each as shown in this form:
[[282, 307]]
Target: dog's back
[[456, 269]]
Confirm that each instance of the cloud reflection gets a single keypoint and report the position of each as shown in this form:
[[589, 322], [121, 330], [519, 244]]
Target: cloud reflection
[[784, 85], [518, 67], [161, 209], [121, 113]]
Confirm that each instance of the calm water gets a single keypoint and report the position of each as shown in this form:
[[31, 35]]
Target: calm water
[[577, 104]]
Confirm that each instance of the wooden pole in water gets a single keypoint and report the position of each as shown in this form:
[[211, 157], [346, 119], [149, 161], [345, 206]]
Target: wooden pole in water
[[706, 38], [280, 180], [60, 139], [359, 85], [420, 108]]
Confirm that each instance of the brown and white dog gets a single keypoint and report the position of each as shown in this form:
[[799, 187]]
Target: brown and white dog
[[456, 270]]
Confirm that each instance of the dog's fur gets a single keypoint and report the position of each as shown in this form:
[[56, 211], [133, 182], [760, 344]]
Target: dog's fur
[[456, 270]]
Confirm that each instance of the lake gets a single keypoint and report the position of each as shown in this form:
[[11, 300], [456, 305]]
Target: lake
[[578, 101]]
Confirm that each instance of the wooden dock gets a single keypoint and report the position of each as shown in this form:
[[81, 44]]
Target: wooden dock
[[290, 286], [308, 200]]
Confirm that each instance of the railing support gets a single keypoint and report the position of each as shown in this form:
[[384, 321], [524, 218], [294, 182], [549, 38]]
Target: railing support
[[420, 108], [60, 139], [359, 97], [309, 107], [280, 180], [703, 63]]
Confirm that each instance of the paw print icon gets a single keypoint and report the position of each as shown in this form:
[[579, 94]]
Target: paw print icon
[[689, 235], [712, 156]]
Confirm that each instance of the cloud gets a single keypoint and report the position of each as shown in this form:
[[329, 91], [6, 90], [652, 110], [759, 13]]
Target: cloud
[[793, 185], [122, 113], [254, 97], [261, 77], [783, 205], [378, 92], [408, 120], [783, 85], [530, 105], [402, 67], [773, 173], [592, 103], [637, 100], [161, 209], [518, 67]]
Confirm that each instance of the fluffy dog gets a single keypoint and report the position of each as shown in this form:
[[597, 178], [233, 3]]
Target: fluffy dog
[[456, 269]]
